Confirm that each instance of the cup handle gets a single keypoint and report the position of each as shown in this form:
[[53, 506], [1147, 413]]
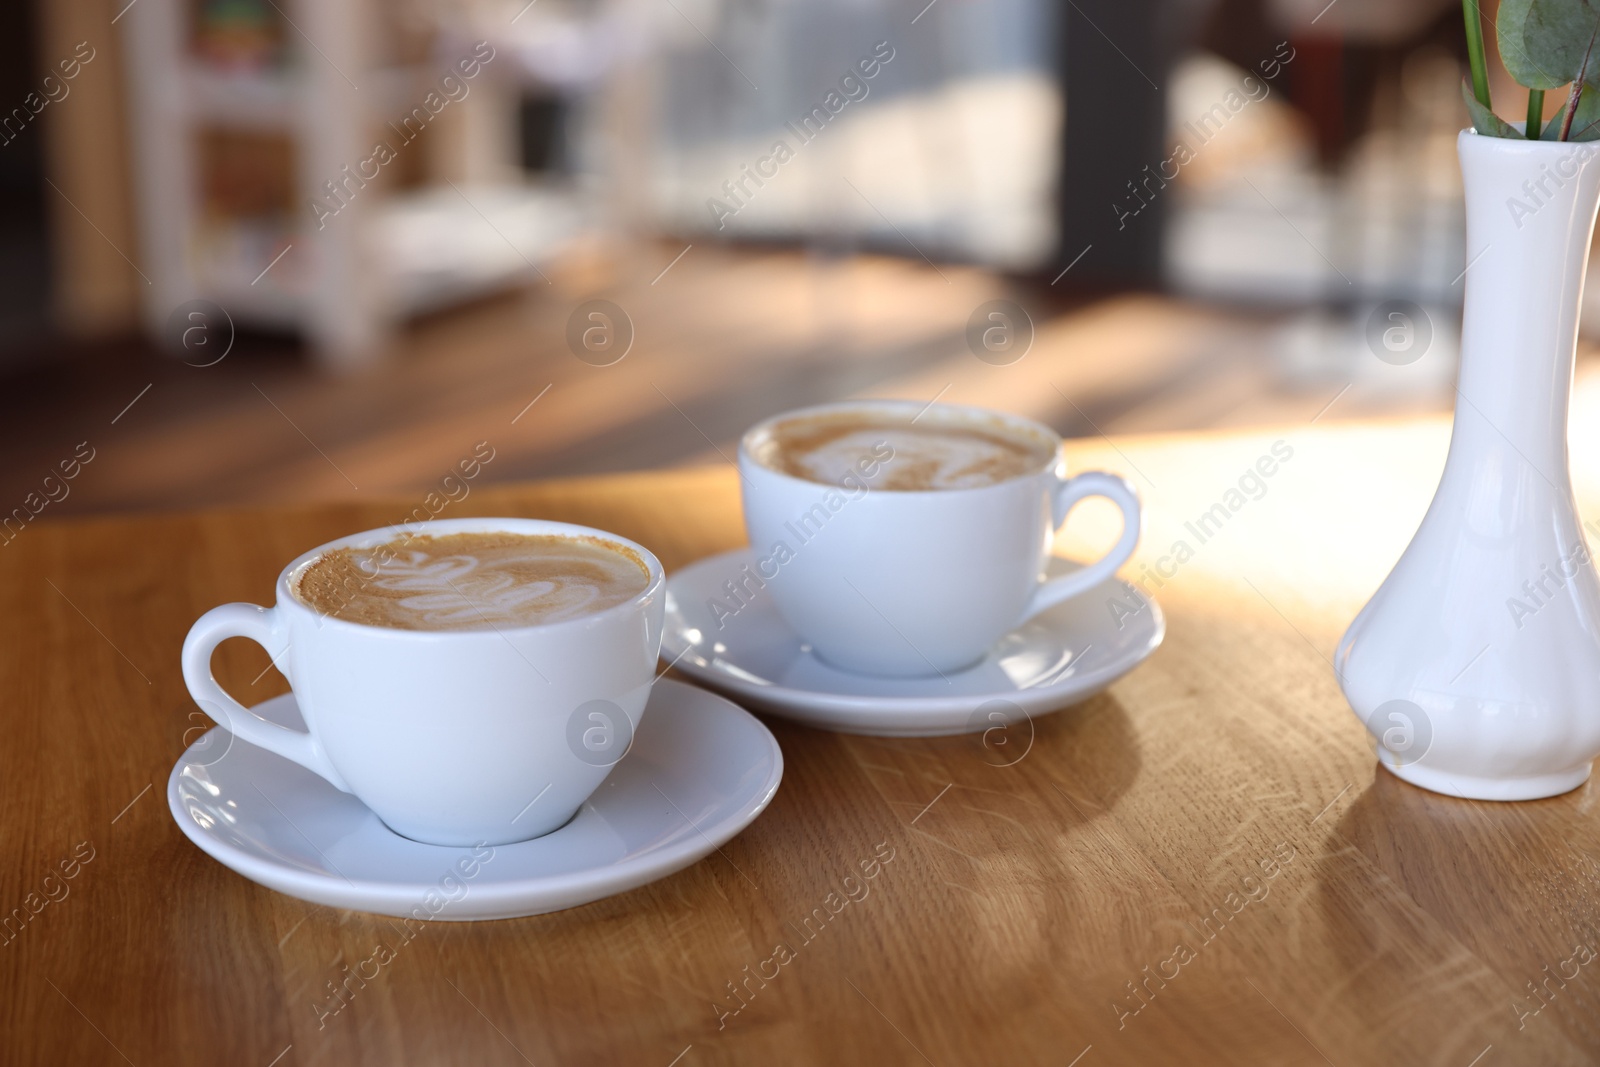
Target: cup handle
[[259, 625], [1066, 495]]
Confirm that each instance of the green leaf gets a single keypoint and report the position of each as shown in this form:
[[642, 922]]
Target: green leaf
[[1486, 122], [1585, 124], [1552, 129], [1546, 44], [1473, 23]]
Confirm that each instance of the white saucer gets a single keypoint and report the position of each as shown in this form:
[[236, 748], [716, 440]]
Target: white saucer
[[700, 770], [1057, 658]]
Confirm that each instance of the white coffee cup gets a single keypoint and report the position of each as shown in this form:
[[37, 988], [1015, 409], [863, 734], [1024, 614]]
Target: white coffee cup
[[452, 737], [913, 583]]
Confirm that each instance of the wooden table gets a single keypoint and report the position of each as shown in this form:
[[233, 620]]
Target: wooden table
[[1203, 865]]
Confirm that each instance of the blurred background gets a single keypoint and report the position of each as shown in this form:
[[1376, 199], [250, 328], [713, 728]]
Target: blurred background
[[259, 251]]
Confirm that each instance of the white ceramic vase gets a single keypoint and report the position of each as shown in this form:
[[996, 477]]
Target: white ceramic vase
[[1476, 665]]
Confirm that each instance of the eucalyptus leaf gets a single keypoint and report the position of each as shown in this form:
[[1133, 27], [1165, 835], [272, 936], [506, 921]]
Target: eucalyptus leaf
[[1586, 121], [1552, 128], [1585, 125], [1546, 44], [1486, 122]]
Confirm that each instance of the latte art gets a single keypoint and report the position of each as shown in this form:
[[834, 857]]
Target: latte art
[[914, 457], [459, 591], [471, 581]]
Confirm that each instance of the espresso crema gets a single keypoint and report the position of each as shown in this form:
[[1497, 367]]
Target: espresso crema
[[471, 581]]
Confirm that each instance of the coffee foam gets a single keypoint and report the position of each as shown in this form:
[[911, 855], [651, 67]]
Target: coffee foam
[[471, 581], [911, 457]]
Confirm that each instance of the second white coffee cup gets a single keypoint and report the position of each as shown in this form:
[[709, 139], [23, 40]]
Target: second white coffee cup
[[913, 583], [452, 737]]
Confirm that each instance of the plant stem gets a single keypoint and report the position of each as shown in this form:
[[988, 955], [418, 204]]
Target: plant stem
[[1535, 113], [1480, 72], [1572, 107], [1577, 83]]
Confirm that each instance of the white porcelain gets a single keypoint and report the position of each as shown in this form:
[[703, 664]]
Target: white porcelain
[[1474, 680], [452, 737], [1061, 656], [700, 770], [913, 584]]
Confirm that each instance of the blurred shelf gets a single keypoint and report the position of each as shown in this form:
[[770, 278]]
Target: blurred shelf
[[440, 246], [273, 100], [430, 248], [252, 101], [225, 218]]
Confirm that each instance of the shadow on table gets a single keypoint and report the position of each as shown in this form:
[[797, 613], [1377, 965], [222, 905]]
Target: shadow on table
[[1010, 869], [1499, 899]]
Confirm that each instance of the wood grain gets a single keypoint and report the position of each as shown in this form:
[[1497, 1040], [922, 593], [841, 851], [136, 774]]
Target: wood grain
[[1203, 865]]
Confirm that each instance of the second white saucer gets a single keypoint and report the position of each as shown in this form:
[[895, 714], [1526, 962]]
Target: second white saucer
[[1057, 658]]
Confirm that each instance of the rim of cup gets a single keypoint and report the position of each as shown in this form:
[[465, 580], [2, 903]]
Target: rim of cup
[[971, 415], [530, 527]]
